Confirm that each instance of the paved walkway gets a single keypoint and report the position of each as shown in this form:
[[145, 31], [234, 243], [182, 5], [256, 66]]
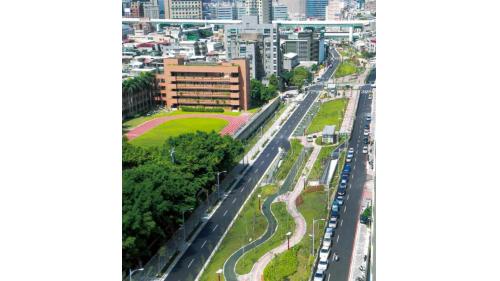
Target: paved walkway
[[300, 224], [235, 122]]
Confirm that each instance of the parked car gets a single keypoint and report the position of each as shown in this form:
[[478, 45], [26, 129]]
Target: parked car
[[365, 149], [365, 140], [327, 242], [347, 168], [323, 265], [332, 223], [351, 150], [341, 191], [324, 253], [319, 276], [366, 132], [330, 230], [335, 211], [340, 200]]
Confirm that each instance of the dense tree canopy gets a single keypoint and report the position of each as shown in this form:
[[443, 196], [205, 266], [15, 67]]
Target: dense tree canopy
[[157, 190], [260, 93], [300, 76]]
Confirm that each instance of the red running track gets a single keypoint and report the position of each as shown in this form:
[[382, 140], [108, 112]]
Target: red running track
[[235, 122]]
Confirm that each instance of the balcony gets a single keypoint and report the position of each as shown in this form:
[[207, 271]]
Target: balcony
[[204, 86], [202, 78], [193, 94], [188, 101]]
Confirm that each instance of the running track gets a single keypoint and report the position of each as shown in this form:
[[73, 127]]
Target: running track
[[235, 122]]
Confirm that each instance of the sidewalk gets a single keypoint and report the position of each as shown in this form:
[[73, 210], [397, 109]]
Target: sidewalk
[[300, 224]]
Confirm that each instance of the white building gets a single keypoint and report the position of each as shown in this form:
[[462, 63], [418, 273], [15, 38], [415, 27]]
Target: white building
[[280, 12], [335, 10]]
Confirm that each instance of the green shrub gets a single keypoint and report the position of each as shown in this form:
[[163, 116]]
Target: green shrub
[[283, 265], [202, 109]]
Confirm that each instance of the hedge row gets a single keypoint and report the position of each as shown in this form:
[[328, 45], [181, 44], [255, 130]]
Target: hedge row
[[202, 109]]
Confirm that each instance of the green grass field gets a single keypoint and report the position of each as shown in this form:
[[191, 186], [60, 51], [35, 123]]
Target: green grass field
[[289, 160], [172, 128], [330, 113], [312, 207], [346, 68], [132, 123], [318, 166], [242, 230], [285, 224]]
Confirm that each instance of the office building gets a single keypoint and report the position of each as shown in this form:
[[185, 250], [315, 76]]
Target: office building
[[290, 61], [225, 11], [296, 8], [151, 9], [258, 42], [183, 9], [224, 85], [280, 12], [335, 10], [315, 9], [262, 8], [307, 44]]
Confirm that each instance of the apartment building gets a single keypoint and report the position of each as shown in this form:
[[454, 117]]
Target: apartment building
[[183, 9], [225, 84], [307, 44]]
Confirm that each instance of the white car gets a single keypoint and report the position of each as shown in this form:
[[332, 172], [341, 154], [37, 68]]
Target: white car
[[319, 276], [324, 253], [333, 223], [365, 149], [327, 242], [366, 132], [351, 150], [322, 265]]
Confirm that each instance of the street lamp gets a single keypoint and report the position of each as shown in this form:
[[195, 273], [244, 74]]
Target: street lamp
[[130, 271], [219, 273], [288, 238], [259, 196], [183, 222], [314, 221], [218, 183]]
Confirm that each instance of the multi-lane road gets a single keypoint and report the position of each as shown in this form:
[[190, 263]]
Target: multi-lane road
[[343, 241], [193, 259]]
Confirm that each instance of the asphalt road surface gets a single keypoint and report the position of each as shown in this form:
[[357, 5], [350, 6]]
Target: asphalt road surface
[[343, 241], [192, 261]]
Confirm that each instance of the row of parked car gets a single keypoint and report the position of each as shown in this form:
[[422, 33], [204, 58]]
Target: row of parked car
[[326, 250]]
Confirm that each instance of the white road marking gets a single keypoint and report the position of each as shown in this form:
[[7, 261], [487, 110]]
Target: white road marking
[[215, 228], [241, 189], [329, 276], [345, 208], [267, 155], [338, 238], [225, 213], [341, 222], [189, 265], [347, 197], [203, 244], [234, 200]]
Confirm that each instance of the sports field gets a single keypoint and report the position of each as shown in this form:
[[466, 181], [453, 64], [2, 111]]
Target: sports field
[[157, 135]]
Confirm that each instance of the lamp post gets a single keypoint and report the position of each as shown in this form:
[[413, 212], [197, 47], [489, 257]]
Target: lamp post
[[130, 271], [288, 238], [219, 273], [218, 182], [314, 221], [259, 196], [183, 222]]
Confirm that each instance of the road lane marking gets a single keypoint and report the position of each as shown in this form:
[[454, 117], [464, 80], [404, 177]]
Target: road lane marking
[[234, 200], [215, 228], [267, 155], [189, 265], [338, 238], [341, 221], [329, 276], [241, 190], [345, 207], [347, 197], [225, 213], [203, 244]]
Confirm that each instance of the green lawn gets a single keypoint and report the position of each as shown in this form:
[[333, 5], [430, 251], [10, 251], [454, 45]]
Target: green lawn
[[330, 113], [172, 128], [317, 169], [313, 206], [285, 224], [347, 67], [249, 224], [131, 123], [289, 160]]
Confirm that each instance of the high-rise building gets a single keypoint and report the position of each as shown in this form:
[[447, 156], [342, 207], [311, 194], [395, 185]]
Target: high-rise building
[[280, 12], [335, 10], [258, 42], [224, 85], [225, 11], [262, 8], [183, 9], [316, 9], [151, 9], [136, 9], [307, 44], [296, 8]]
